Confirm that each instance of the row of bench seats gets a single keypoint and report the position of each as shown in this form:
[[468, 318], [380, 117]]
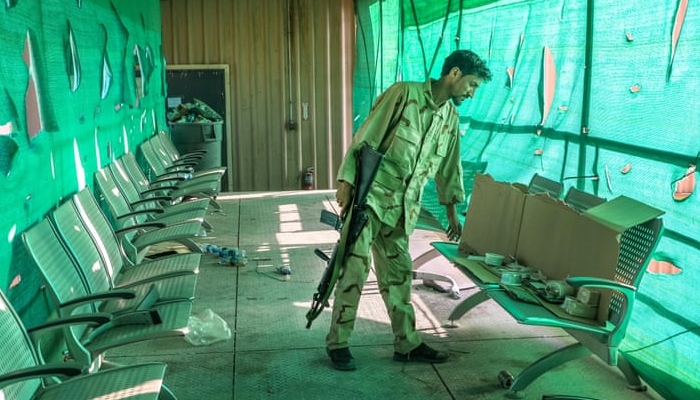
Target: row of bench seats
[[107, 286], [636, 247]]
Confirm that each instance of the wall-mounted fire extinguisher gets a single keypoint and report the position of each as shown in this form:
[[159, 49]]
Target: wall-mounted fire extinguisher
[[307, 179]]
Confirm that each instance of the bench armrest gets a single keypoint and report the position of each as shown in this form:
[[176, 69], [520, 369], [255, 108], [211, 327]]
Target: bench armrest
[[118, 294], [150, 199], [91, 319], [155, 225], [40, 371]]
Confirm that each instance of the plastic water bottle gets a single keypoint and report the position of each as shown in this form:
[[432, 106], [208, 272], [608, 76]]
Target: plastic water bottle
[[232, 256], [224, 255], [241, 259], [209, 248]]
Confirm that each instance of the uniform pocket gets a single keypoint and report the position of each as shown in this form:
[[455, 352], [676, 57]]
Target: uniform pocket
[[389, 178], [444, 141], [404, 147]]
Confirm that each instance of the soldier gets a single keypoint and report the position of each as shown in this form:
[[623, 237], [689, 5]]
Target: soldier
[[416, 128]]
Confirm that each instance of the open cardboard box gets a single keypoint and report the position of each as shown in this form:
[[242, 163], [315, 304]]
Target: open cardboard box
[[546, 234], [493, 218], [561, 242]]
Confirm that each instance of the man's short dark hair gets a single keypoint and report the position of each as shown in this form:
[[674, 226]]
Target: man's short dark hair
[[468, 62]]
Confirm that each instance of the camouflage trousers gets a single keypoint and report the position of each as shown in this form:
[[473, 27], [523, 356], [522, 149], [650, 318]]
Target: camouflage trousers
[[393, 267]]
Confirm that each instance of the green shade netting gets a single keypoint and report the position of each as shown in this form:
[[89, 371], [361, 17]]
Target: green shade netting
[[638, 111], [79, 124]]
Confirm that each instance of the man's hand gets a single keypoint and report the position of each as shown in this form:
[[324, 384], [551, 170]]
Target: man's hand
[[454, 231], [343, 196]]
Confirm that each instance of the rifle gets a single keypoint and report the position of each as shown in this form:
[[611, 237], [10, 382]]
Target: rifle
[[349, 225]]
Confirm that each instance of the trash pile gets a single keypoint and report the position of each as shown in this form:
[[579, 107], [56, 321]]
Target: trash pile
[[195, 112], [227, 255]]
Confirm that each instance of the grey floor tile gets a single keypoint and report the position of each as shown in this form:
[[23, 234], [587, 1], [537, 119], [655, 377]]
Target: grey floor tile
[[271, 355]]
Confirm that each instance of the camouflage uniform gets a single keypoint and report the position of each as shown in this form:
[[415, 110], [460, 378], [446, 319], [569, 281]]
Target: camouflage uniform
[[420, 141]]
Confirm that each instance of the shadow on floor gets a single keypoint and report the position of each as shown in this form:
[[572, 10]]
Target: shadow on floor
[[271, 355]]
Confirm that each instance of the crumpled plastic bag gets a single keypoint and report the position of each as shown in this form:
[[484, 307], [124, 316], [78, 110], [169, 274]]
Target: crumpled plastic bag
[[206, 328]]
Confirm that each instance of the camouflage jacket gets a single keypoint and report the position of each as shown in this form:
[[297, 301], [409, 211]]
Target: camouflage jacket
[[420, 141]]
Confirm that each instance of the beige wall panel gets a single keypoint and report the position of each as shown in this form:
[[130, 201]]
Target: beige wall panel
[[166, 24], [290, 60]]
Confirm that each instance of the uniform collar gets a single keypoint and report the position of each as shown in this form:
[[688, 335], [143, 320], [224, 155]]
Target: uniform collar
[[428, 91]]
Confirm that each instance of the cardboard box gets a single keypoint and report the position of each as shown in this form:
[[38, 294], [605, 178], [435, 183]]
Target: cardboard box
[[561, 242], [555, 238], [548, 235], [493, 218]]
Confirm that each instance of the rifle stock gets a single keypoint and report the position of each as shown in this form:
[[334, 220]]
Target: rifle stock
[[367, 163]]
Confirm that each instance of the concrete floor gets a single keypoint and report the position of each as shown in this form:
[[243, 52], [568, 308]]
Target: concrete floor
[[271, 355]]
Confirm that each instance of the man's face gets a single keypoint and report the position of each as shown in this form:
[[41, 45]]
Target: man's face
[[463, 87]]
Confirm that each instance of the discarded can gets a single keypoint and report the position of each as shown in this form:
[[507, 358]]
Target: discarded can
[[284, 270], [505, 378]]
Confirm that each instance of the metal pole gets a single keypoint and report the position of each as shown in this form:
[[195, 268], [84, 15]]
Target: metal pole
[[586, 108]]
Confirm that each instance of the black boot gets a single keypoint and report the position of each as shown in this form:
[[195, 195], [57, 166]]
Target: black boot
[[342, 359], [422, 353]]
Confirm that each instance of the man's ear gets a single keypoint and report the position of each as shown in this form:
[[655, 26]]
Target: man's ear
[[456, 72]]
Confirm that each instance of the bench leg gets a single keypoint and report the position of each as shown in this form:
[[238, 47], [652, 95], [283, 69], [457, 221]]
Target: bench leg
[[467, 304], [166, 393], [454, 289], [425, 258], [631, 375], [190, 244], [215, 204], [544, 364]]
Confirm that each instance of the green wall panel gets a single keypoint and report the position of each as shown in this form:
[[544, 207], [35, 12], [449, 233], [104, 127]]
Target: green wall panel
[[80, 120]]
